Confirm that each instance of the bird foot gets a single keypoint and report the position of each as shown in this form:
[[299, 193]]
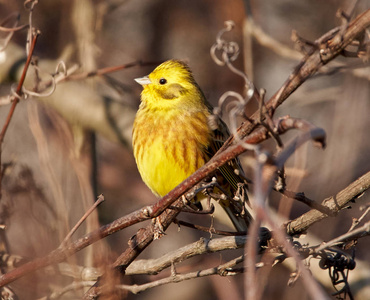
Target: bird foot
[[158, 228]]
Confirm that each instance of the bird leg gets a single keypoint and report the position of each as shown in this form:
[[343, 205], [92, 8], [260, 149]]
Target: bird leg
[[158, 228]]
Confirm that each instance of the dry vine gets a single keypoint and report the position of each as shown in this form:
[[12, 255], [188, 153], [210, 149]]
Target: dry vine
[[247, 137]]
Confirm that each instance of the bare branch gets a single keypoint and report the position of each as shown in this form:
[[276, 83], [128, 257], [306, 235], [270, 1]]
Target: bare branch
[[356, 221], [334, 203], [19, 88], [309, 202], [83, 218], [351, 235], [219, 270], [308, 66], [203, 246]]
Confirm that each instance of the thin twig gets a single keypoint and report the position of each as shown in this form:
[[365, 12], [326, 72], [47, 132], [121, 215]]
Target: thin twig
[[309, 202], [362, 231], [356, 221], [265, 173], [312, 287], [209, 229], [107, 70], [18, 91], [308, 67], [72, 75], [334, 203], [69, 288], [219, 270], [83, 218]]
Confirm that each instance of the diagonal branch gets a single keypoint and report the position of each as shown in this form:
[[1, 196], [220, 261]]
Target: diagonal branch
[[306, 69], [334, 203], [18, 91], [362, 231], [308, 66]]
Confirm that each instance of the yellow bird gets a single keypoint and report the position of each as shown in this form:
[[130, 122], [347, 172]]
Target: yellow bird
[[172, 137]]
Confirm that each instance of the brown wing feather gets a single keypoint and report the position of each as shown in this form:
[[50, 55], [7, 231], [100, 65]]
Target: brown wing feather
[[220, 135], [235, 209]]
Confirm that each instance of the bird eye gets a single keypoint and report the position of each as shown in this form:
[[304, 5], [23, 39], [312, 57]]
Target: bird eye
[[162, 81]]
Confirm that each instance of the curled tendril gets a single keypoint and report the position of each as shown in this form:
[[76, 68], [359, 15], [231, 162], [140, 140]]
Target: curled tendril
[[229, 53], [230, 50], [61, 68], [13, 93], [41, 95], [29, 4], [52, 82], [338, 263], [222, 102], [233, 103], [224, 53], [62, 72]]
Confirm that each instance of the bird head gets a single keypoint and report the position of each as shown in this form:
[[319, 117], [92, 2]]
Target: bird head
[[172, 80]]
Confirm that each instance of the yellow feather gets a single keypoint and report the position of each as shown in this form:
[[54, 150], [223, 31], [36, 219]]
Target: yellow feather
[[171, 135], [168, 148]]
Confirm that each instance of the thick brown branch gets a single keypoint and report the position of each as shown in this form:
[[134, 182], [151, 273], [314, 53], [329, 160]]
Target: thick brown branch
[[137, 244], [308, 66], [148, 212]]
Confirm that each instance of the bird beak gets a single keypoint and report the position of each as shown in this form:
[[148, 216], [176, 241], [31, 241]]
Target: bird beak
[[143, 80]]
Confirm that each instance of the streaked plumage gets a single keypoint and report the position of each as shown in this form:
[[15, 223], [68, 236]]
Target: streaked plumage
[[172, 138]]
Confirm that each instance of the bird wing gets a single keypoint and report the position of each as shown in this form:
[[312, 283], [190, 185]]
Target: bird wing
[[235, 207], [220, 135]]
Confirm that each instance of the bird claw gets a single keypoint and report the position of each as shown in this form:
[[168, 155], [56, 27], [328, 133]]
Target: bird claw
[[158, 228]]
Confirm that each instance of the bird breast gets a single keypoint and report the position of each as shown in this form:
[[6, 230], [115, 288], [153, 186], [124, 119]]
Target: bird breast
[[168, 148]]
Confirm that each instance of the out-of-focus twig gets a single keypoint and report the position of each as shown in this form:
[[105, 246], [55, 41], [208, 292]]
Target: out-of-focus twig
[[362, 231], [83, 218], [10, 30], [69, 288], [267, 41], [265, 173], [18, 91], [15, 97], [309, 202], [334, 203], [356, 221], [308, 66]]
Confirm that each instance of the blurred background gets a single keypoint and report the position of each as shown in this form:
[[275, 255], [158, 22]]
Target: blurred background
[[62, 151]]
